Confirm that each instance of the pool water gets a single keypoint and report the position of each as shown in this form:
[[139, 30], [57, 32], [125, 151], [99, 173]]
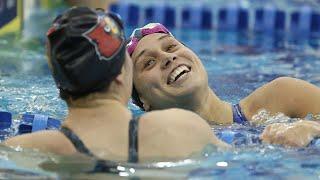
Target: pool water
[[237, 63]]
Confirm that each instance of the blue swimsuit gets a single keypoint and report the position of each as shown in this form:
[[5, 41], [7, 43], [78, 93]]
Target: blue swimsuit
[[238, 116]]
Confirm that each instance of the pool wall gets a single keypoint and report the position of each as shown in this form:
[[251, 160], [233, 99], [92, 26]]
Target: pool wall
[[266, 18]]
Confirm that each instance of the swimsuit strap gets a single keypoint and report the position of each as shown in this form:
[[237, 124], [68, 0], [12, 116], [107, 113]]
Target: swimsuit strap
[[133, 140], [238, 116], [104, 166], [75, 140]]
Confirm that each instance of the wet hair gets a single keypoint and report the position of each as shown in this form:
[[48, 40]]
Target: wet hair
[[136, 98], [79, 66]]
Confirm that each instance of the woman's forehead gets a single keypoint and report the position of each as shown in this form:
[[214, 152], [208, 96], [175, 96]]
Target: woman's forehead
[[150, 42]]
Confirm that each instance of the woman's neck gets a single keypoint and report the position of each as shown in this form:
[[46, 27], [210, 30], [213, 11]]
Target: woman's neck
[[211, 108], [103, 112]]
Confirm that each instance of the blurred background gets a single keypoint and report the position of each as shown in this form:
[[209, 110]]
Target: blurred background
[[243, 44]]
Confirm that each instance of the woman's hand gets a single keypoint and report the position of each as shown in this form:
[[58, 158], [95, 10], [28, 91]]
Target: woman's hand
[[297, 134]]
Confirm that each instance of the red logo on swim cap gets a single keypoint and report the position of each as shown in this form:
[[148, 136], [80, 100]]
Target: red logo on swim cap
[[51, 30], [105, 37]]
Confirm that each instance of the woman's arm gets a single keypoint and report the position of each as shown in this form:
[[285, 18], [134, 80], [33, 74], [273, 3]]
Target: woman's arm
[[293, 97]]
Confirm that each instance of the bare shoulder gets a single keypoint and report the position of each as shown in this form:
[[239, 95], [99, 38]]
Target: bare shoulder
[[284, 94], [173, 115], [266, 92], [48, 141], [176, 119], [284, 85], [289, 82], [173, 133]]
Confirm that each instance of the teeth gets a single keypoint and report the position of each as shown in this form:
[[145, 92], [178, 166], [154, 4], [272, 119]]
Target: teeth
[[177, 71]]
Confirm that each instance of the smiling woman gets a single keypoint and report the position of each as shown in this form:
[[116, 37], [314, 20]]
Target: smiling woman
[[165, 70], [173, 77], [171, 71], [168, 74]]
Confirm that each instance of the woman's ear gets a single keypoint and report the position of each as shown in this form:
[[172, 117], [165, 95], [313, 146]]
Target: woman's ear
[[119, 78]]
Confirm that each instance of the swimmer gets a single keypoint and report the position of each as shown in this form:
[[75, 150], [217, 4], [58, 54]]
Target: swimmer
[[168, 74], [93, 71]]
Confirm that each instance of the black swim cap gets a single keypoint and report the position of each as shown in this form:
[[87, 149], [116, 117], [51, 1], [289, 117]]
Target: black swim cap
[[86, 49]]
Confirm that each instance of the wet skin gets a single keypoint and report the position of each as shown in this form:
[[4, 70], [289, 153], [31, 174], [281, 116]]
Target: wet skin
[[169, 72]]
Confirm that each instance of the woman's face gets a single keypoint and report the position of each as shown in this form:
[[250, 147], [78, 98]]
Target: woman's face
[[166, 71]]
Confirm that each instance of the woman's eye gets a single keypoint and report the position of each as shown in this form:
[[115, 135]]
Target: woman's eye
[[149, 63], [169, 48]]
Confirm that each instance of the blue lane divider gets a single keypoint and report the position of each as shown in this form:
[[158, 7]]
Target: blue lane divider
[[301, 21], [315, 23], [163, 14], [207, 19], [280, 24], [228, 18], [5, 120], [134, 16], [29, 123], [233, 18], [196, 17], [153, 14], [37, 122], [129, 13], [5, 124], [269, 19]]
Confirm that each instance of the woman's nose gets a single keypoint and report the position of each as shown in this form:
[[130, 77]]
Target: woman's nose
[[167, 61]]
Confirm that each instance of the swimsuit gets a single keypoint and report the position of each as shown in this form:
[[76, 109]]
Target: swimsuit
[[107, 165], [238, 116]]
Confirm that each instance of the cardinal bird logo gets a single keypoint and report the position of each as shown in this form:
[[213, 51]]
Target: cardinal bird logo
[[106, 38]]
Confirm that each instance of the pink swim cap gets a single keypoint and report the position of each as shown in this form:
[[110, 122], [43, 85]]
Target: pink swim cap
[[139, 33]]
